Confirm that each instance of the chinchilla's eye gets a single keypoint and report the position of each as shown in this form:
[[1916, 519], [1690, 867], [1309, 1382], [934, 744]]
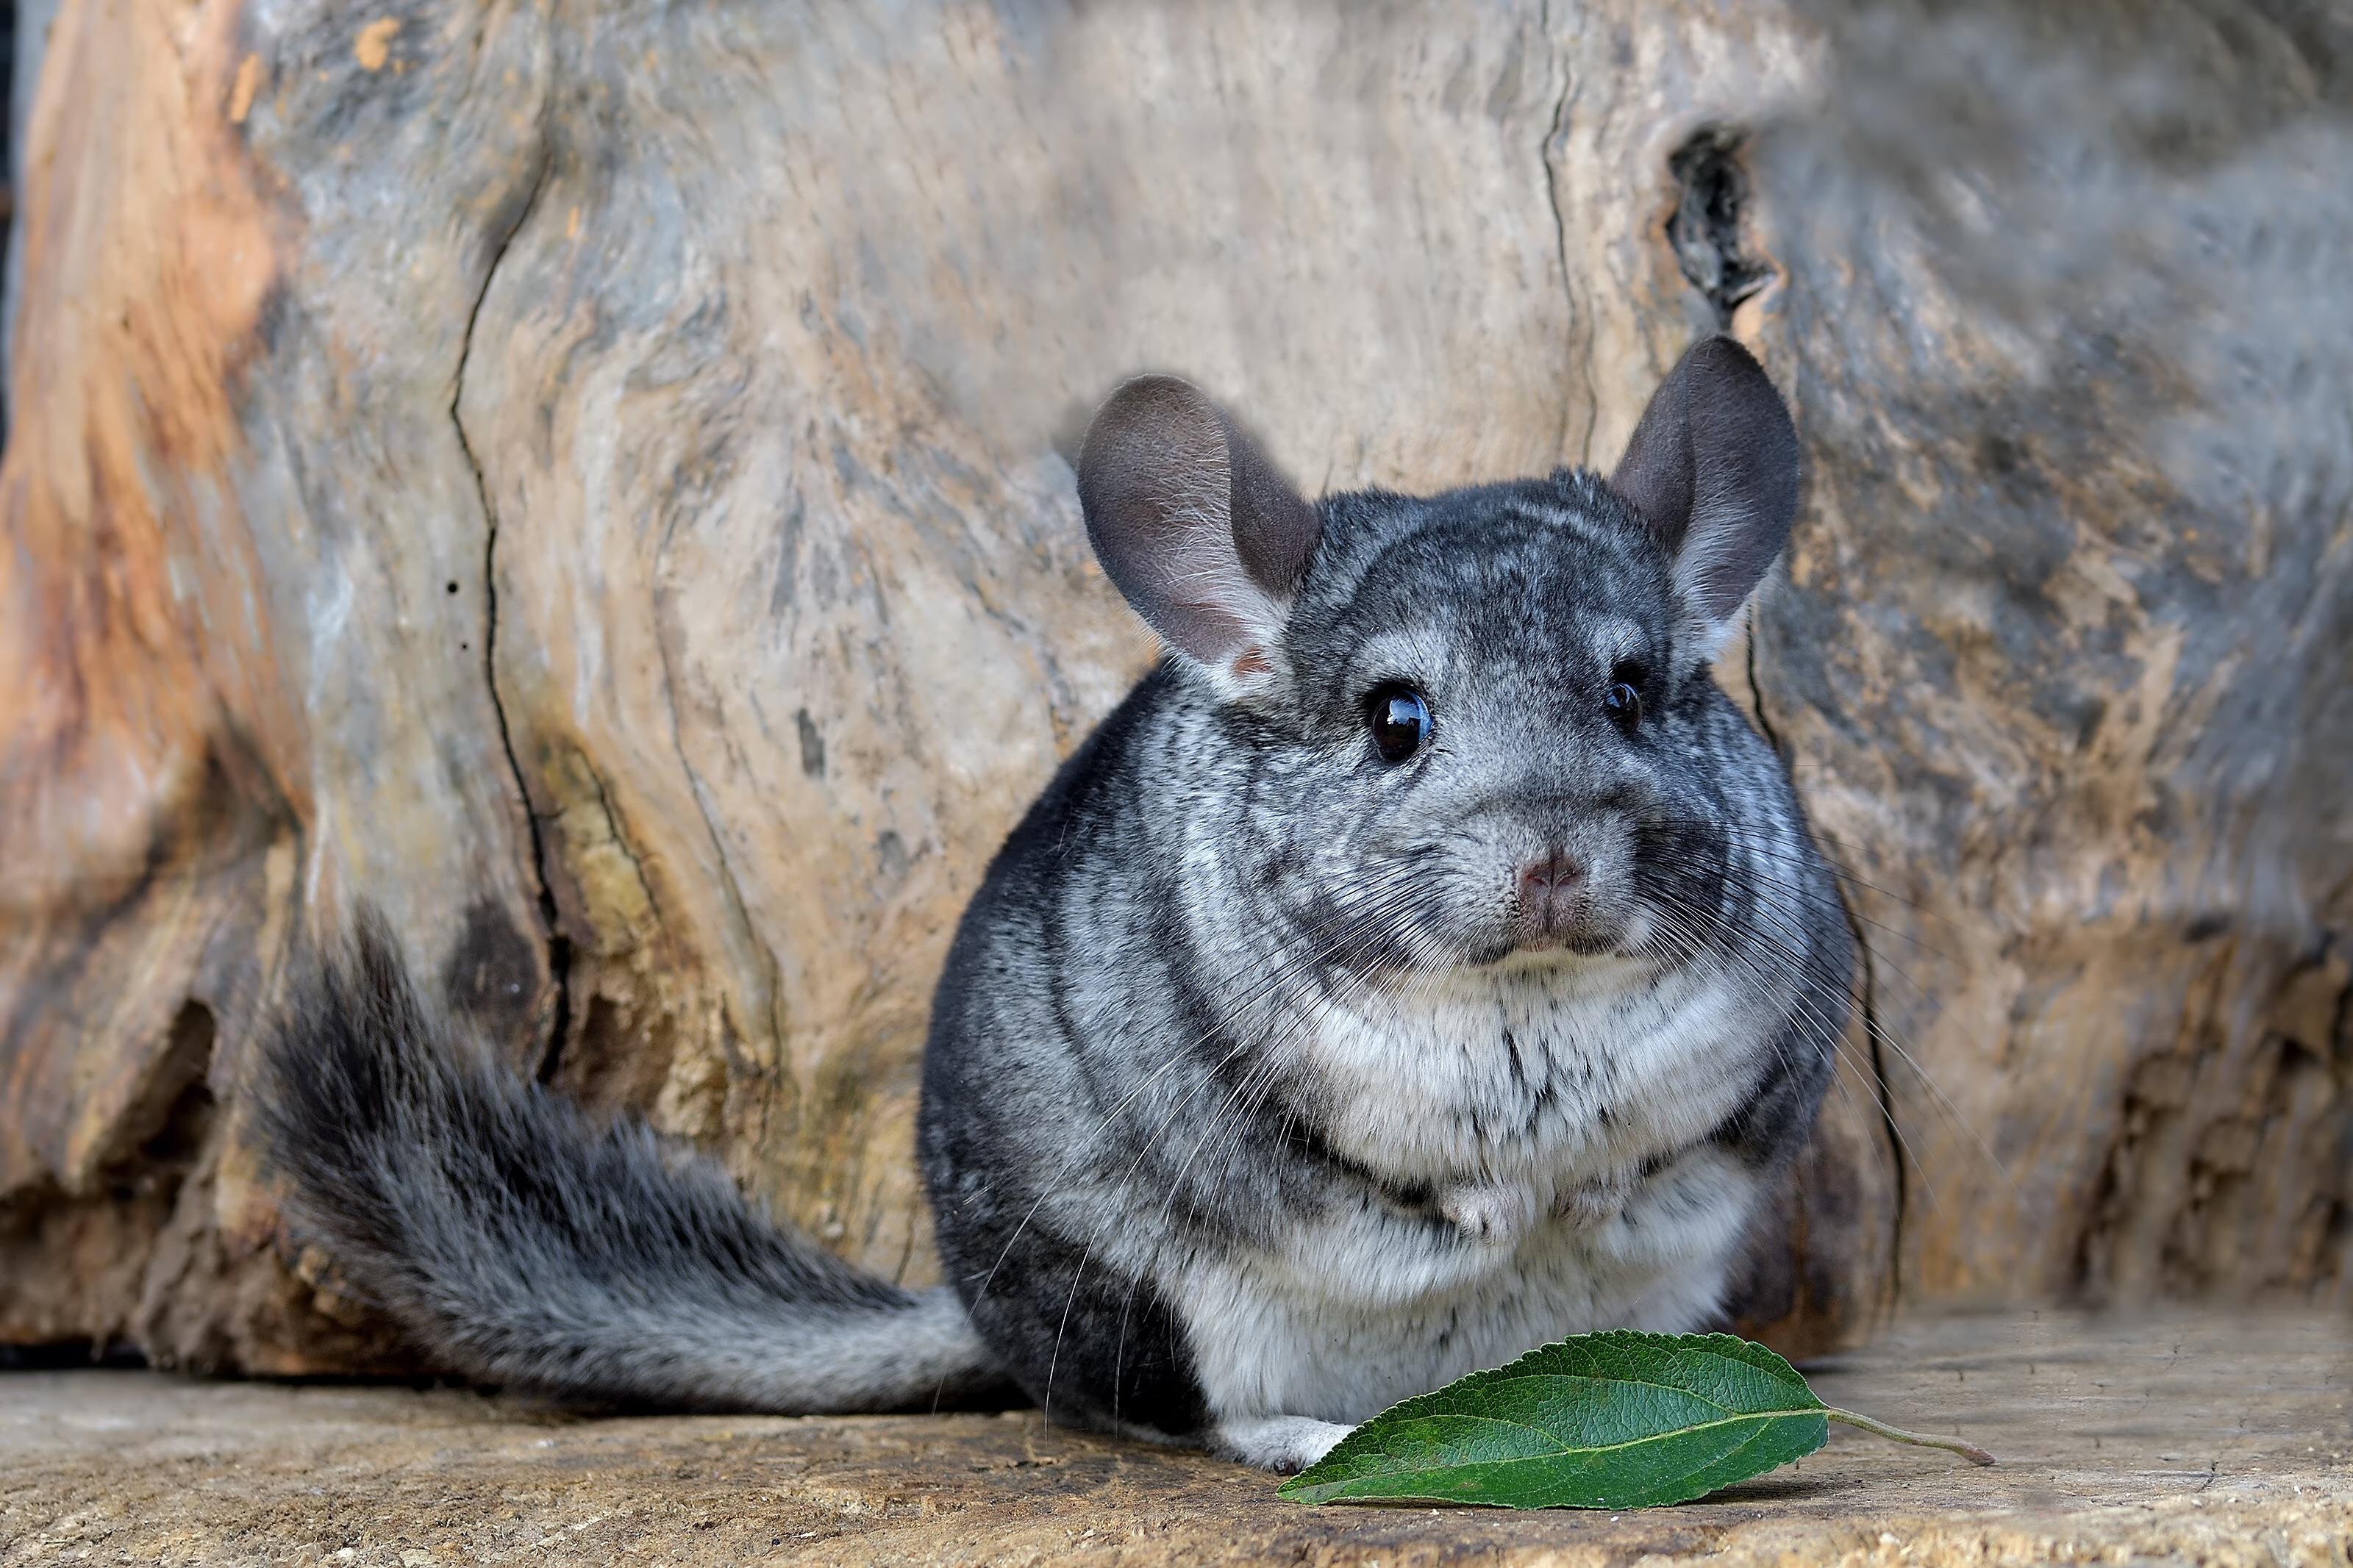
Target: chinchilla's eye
[[1623, 703], [1399, 719]]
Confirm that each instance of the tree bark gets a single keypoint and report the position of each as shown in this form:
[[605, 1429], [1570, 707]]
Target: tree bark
[[594, 481]]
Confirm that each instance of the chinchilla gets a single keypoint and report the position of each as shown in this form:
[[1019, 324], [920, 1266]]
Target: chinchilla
[[1426, 961]]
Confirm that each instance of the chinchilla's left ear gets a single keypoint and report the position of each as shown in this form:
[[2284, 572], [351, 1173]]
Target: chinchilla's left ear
[[1713, 469], [1203, 534]]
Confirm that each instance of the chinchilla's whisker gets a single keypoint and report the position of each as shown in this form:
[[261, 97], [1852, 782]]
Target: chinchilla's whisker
[[1270, 1052], [1784, 857], [1770, 937], [1735, 834], [1287, 967], [1302, 1020], [1779, 936], [1758, 876], [1357, 932], [1361, 934], [1750, 880], [1816, 1029], [1320, 1008], [1820, 1031]]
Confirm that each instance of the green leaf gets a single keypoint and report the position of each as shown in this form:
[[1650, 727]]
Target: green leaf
[[1609, 1420]]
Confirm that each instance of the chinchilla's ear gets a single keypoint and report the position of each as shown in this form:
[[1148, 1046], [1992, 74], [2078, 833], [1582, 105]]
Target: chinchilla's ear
[[1201, 531], [1713, 469]]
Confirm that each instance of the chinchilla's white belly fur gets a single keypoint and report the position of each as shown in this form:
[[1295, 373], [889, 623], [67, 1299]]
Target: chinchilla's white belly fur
[[1268, 1339], [1561, 1116]]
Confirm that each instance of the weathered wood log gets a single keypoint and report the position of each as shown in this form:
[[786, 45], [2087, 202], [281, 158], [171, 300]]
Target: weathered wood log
[[594, 481], [145, 1468]]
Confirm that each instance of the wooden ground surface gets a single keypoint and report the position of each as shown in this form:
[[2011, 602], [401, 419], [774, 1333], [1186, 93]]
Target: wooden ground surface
[[2221, 1440]]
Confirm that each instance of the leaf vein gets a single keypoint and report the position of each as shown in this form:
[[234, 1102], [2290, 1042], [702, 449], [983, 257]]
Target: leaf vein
[[1760, 1416]]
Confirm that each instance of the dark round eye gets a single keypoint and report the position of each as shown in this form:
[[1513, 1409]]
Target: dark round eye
[[1399, 720], [1623, 703]]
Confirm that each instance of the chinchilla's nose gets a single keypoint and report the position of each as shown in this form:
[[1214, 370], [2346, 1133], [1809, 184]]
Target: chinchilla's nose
[[1552, 886]]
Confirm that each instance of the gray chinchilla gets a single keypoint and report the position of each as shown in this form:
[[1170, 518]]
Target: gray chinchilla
[[1426, 961]]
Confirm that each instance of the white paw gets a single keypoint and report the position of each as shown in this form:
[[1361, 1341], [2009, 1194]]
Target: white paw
[[1284, 1444], [1596, 1202], [1498, 1215]]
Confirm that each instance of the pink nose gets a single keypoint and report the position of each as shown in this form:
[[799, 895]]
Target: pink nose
[[1549, 886]]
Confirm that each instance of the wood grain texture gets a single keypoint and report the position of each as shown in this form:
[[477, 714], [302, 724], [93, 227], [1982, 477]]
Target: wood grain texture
[[594, 480], [2061, 656], [114, 1466]]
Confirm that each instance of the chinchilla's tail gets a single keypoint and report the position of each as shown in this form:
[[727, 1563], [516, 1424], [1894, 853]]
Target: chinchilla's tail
[[523, 1244]]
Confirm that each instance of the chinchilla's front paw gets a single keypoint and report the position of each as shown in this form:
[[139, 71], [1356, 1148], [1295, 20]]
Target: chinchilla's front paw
[[1496, 1216], [1284, 1444], [1597, 1200]]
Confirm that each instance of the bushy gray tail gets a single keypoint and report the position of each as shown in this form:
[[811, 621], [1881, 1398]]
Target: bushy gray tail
[[523, 1244]]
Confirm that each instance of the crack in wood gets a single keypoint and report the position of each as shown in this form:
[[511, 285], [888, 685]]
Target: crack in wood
[[548, 1054], [1867, 997]]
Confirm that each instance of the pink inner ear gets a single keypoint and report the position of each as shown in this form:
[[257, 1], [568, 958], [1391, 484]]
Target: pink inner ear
[[1252, 660]]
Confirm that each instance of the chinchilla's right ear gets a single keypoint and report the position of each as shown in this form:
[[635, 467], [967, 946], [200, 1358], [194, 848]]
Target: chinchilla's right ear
[[1203, 534]]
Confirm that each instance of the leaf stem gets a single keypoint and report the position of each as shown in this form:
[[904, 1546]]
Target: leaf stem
[[1969, 1451]]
